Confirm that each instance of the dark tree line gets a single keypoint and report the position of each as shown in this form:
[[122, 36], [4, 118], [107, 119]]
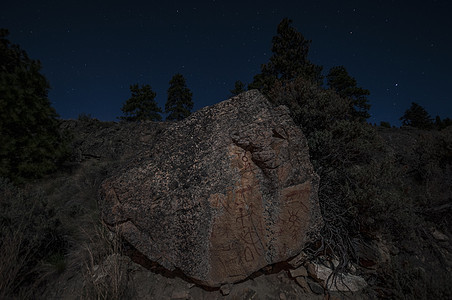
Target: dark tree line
[[418, 117], [142, 105]]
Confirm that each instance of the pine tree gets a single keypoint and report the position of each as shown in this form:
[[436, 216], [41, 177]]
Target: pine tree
[[340, 81], [289, 60], [417, 116], [31, 144], [438, 122], [141, 106], [239, 87], [179, 103]]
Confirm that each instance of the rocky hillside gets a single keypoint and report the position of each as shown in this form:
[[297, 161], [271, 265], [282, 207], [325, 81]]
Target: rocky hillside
[[110, 140]]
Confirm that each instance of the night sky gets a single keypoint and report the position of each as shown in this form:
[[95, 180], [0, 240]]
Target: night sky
[[92, 51]]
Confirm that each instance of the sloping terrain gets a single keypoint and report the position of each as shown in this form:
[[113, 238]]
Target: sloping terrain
[[411, 263]]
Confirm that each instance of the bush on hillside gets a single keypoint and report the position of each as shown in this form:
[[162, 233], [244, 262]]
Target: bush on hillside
[[356, 185]]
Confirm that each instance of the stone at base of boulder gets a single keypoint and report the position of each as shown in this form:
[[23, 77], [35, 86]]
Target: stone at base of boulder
[[315, 287], [343, 282], [347, 283], [225, 289], [303, 284], [301, 271], [179, 295], [298, 260], [249, 294], [312, 270]]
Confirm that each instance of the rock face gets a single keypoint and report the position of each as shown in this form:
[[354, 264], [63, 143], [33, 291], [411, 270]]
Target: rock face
[[222, 193]]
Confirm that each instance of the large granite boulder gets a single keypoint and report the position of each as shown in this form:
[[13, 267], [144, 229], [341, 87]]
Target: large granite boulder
[[222, 193]]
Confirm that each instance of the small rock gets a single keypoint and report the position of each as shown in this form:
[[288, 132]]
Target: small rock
[[301, 271], [394, 250], [315, 287], [311, 270], [176, 295], [343, 282], [298, 260], [439, 235], [225, 289], [282, 276], [334, 296], [368, 253], [347, 283], [333, 263], [250, 294], [282, 296], [303, 284]]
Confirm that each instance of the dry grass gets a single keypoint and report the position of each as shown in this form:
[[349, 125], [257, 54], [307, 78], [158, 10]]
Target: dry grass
[[104, 268], [96, 252], [19, 246], [13, 261], [55, 232]]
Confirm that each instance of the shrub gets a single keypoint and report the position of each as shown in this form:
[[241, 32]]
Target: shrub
[[409, 280], [346, 154]]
